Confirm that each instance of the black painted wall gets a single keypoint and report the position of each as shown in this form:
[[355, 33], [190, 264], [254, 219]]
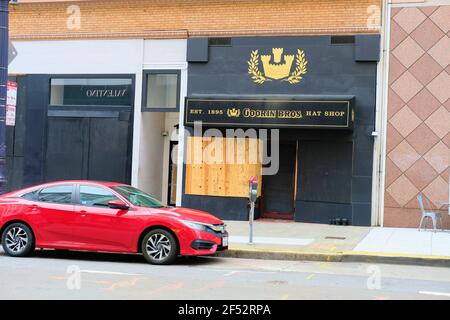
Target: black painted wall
[[27, 140], [344, 69]]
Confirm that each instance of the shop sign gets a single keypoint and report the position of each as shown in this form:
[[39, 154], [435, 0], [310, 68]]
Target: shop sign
[[331, 114]]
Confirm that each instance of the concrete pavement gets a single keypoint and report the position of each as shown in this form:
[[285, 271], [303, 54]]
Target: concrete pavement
[[317, 242], [81, 275]]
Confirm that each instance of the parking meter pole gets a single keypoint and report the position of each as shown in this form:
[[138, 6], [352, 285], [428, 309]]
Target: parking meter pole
[[252, 216], [252, 196]]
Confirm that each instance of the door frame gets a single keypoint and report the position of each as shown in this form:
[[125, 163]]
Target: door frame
[[86, 111], [172, 144]]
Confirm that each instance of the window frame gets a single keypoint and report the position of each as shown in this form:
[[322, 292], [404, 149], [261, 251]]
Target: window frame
[[145, 73]]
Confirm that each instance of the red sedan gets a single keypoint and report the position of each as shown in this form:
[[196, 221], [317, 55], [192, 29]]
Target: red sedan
[[107, 217]]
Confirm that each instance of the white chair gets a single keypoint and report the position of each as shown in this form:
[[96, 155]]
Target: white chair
[[427, 215]]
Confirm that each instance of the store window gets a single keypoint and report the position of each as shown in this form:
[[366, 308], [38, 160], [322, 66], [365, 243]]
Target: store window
[[91, 91], [161, 90]]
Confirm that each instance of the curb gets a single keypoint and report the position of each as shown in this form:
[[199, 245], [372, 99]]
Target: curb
[[347, 256]]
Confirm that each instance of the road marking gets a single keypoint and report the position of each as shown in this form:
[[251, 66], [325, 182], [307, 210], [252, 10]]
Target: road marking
[[312, 275], [444, 294], [111, 273], [124, 284], [229, 272]]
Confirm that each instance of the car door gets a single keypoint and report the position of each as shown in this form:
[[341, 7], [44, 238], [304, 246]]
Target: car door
[[100, 227], [56, 216]]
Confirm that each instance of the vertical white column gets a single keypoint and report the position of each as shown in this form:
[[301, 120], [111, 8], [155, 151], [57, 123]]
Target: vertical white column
[[137, 120], [181, 138], [379, 162]]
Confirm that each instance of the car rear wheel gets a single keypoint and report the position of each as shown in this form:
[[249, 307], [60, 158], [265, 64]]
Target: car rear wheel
[[160, 247], [18, 240]]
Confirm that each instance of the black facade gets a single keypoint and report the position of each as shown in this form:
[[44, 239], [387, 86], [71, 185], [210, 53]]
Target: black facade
[[79, 139], [334, 166]]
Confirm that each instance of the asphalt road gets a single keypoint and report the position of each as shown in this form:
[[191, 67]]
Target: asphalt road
[[81, 275]]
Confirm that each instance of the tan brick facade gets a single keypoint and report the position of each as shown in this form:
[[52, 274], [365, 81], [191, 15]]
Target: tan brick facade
[[186, 18], [418, 131]]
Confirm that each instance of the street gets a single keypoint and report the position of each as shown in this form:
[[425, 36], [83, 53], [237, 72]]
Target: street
[[81, 275]]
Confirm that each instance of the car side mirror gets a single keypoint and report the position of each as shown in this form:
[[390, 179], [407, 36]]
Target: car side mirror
[[118, 205]]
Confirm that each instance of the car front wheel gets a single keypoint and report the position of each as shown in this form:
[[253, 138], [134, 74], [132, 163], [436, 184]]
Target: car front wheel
[[159, 247], [18, 240]]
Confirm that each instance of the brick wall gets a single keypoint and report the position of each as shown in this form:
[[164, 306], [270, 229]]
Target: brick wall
[[183, 18], [418, 134]]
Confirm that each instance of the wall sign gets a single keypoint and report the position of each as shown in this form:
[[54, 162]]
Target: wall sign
[[91, 91], [332, 114]]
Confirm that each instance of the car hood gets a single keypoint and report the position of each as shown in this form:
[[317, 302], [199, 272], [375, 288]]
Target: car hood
[[187, 214]]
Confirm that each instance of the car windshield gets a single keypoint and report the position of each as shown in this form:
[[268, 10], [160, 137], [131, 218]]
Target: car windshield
[[137, 197]]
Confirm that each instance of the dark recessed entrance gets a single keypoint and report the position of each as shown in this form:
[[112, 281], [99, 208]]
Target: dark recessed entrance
[[278, 198]]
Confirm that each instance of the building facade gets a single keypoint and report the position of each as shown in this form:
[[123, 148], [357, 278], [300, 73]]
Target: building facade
[[318, 93], [111, 90], [417, 115]]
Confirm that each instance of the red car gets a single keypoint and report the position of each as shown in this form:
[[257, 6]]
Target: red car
[[107, 217]]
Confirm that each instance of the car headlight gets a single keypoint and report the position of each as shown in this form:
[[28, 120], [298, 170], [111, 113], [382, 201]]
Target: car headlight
[[195, 225], [213, 228]]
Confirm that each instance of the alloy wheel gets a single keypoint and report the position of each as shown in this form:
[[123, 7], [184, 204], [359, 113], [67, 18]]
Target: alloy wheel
[[16, 239], [158, 246]]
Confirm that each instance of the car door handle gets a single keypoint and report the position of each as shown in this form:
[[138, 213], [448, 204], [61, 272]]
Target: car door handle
[[83, 213], [34, 207]]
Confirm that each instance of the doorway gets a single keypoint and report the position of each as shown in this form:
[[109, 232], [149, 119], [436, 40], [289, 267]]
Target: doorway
[[279, 190]]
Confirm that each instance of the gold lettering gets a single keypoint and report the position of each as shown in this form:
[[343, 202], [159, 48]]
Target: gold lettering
[[334, 113]]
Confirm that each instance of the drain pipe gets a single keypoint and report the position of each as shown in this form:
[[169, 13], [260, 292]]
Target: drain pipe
[[3, 88], [382, 109]]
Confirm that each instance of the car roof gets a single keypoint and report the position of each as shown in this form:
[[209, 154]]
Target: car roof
[[60, 182], [103, 183]]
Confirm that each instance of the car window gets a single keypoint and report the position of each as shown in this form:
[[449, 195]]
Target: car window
[[56, 194], [30, 195], [95, 196], [138, 197]]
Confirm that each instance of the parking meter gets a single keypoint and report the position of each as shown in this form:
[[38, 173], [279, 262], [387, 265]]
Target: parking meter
[[252, 196], [253, 189]]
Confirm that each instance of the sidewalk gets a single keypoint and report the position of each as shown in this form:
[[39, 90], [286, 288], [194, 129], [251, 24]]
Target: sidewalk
[[317, 242]]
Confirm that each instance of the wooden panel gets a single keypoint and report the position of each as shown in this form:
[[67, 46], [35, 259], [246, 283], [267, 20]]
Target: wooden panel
[[210, 172]]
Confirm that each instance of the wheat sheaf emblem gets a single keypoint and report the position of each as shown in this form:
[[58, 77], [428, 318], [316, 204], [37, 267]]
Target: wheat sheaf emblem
[[277, 70]]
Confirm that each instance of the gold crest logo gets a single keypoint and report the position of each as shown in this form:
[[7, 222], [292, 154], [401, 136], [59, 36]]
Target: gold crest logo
[[233, 112], [275, 69]]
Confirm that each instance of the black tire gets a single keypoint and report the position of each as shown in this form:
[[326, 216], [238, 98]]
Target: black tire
[[155, 256], [23, 234]]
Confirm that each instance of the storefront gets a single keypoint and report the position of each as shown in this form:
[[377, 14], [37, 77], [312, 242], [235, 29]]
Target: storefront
[[305, 108], [86, 112]]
